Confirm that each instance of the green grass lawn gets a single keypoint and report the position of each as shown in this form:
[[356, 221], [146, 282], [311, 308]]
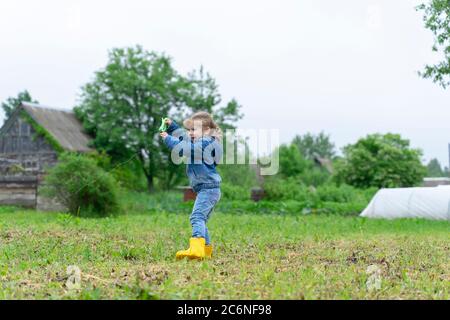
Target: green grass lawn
[[265, 256]]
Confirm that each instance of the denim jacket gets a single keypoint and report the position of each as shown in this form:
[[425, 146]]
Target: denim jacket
[[202, 155]]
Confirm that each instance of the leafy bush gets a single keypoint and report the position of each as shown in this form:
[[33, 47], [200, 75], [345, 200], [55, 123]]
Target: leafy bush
[[292, 189], [78, 183], [315, 177], [292, 162], [344, 193], [294, 165], [238, 175], [383, 161], [232, 192], [332, 193], [277, 189]]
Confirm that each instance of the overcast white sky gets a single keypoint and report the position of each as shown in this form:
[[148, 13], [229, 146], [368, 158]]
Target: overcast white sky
[[346, 67]]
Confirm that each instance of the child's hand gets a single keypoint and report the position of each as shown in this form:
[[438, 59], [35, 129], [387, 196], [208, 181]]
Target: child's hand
[[164, 134]]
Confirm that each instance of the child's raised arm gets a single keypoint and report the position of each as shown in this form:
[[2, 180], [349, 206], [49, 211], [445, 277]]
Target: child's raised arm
[[174, 134]]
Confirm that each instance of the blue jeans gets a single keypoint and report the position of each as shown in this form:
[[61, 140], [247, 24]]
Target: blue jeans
[[203, 207]]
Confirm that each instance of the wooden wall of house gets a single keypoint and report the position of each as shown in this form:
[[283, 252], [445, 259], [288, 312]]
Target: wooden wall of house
[[23, 163], [17, 147]]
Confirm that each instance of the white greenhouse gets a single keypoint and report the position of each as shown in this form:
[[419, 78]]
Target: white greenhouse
[[428, 203]]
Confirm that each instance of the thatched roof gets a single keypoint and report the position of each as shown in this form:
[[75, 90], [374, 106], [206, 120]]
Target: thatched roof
[[61, 124]]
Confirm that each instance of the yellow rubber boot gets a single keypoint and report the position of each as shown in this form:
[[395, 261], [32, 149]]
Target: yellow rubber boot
[[208, 251], [196, 250]]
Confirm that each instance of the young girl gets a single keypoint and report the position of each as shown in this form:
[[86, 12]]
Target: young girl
[[203, 151]]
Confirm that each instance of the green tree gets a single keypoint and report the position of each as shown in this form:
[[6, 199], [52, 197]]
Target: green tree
[[382, 161], [437, 19], [124, 104], [434, 169], [12, 102], [310, 145]]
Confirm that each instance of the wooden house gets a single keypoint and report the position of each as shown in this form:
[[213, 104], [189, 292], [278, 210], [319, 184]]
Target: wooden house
[[30, 141]]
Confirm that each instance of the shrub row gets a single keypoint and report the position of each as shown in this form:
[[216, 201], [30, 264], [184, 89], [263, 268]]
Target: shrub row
[[290, 207], [291, 189]]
